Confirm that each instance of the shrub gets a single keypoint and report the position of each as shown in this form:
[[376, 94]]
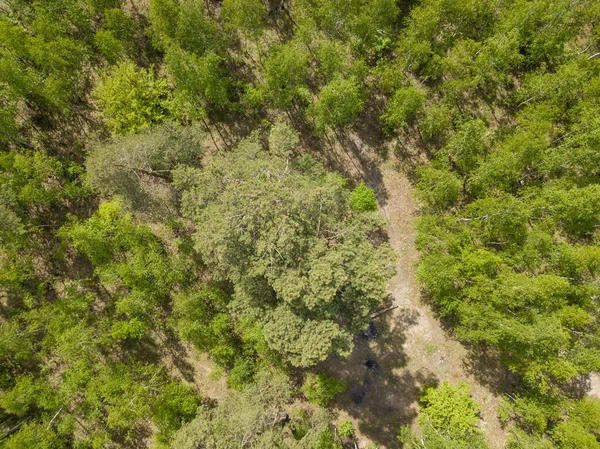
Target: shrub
[[240, 375], [340, 102], [438, 188], [404, 106], [346, 429], [283, 138], [362, 199], [131, 99], [450, 408], [320, 389]]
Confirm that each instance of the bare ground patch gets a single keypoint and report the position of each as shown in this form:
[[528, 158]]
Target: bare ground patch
[[385, 375]]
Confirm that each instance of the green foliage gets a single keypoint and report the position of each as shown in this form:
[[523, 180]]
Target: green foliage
[[241, 374], [362, 199], [268, 235], [450, 408], [201, 318], [466, 147], [182, 25], [321, 389], [433, 438], [283, 139], [448, 420], [339, 103], [501, 96], [199, 80], [132, 259], [246, 16], [246, 415], [286, 70], [115, 39], [138, 167], [439, 189], [132, 99], [346, 429], [404, 107], [366, 25], [436, 122], [567, 422]]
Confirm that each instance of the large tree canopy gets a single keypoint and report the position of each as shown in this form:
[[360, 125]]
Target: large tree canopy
[[283, 233]]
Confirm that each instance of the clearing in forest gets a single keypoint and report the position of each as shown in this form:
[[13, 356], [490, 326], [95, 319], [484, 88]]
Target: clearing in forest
[[387, 372]]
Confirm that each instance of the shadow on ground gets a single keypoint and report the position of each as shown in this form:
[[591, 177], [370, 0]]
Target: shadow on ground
[[382, 395], [485, 365]]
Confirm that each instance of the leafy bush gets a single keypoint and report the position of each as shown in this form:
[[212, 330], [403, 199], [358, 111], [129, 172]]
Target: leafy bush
[[438, 188], [404, 106], [131, 99], [321, 389], [283, 138], [362, 199], [346, 429], [340, 102], [450, 408], [241, 374]]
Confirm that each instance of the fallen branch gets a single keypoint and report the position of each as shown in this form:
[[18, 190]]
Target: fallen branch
[[57, 413], [381, 312]]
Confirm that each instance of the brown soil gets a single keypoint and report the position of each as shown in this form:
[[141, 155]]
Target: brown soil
[[385, 375]]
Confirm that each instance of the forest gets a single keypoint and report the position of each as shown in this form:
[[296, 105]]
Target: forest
[[200, 245]]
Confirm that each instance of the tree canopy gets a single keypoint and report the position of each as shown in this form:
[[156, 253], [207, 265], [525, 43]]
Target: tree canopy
[[283, 234]]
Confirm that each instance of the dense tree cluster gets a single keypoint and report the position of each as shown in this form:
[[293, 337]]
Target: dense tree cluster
[[157, 192], [509, 231]]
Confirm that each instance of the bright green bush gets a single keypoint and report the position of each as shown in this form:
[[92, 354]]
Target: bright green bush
[[241, 374], [321, 389], [438, 188], [404, 106], [131, 99], [340, 102], [450, 408], [362, 199], [346, 429]]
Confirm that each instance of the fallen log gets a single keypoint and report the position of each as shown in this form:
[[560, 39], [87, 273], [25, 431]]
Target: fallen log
[[381, 312]]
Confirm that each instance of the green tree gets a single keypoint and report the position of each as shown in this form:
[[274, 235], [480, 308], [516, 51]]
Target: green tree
[[201, 318], [183, 25], [249, 416], [450, 408], [321, 389], [282, 235], [200, 81], [245, 16], [438, 188], [404, 106], [339, 103], [138, 167], [362, 199], [286, 69], [283, 139], [448, 420], [132, 99], [130, 258]]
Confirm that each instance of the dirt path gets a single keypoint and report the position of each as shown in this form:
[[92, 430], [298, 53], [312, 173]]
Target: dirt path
[[386, 374]]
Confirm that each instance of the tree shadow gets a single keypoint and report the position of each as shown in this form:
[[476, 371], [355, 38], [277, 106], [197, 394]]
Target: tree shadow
[[347, 153], [382, 394], [578, 387], [411, 153], [161, 348], [485, 365]]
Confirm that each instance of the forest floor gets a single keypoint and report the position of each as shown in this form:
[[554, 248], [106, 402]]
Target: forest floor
[[413, 348], [386, 374]]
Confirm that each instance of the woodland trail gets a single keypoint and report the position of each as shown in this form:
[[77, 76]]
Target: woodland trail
[[386, 374]]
